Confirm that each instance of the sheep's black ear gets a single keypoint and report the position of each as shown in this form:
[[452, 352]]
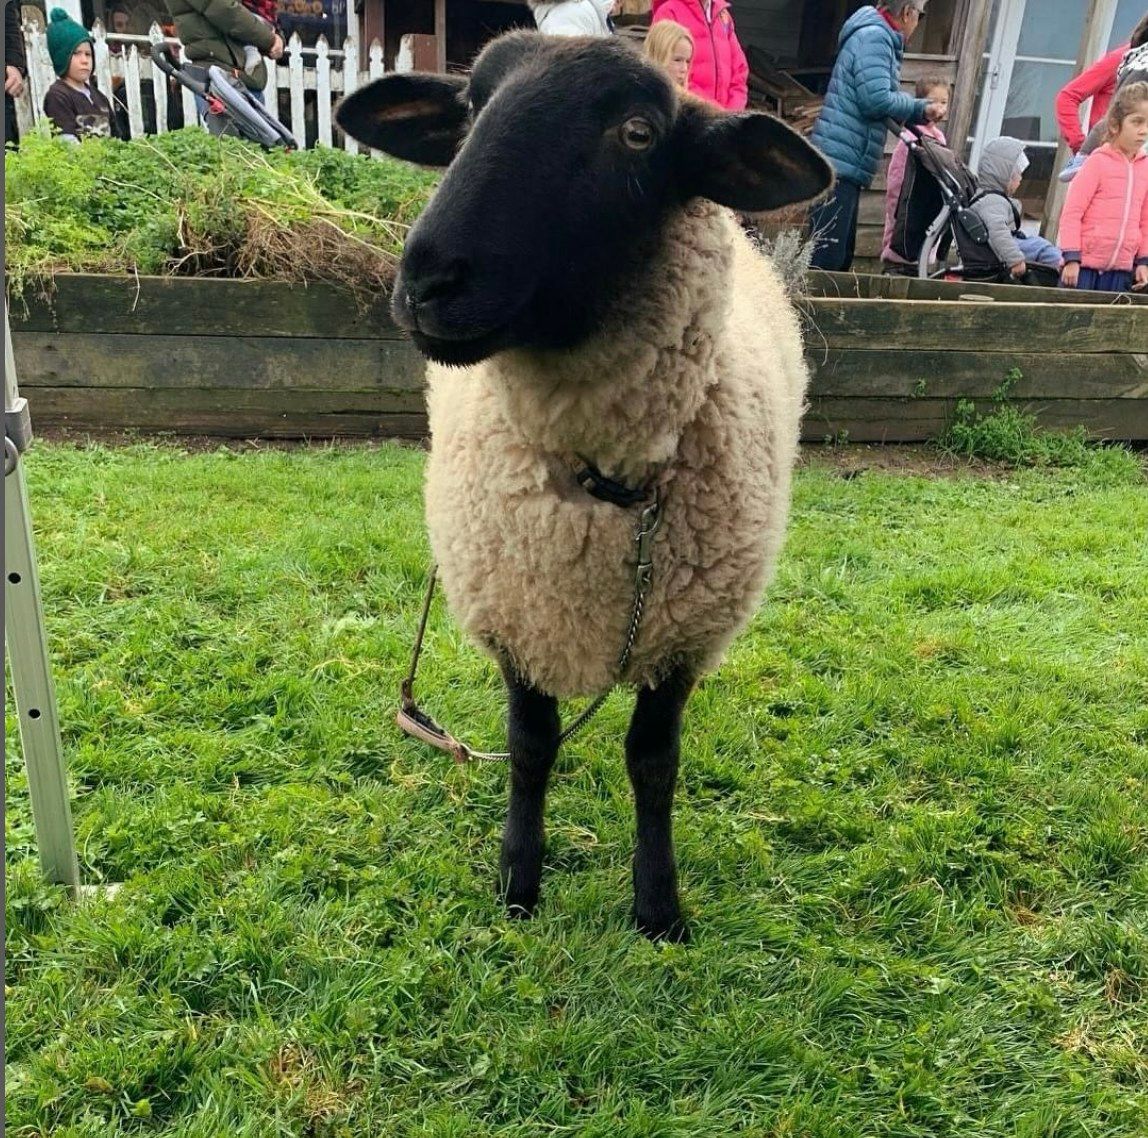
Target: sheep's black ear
[[500, 58], [748, 161], [419, 118]]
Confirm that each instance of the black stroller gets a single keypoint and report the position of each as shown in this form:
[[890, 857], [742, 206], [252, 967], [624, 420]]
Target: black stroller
[[933, 211], [231, 109]]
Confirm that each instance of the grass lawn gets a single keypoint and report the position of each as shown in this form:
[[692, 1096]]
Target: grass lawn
[[912, 828]]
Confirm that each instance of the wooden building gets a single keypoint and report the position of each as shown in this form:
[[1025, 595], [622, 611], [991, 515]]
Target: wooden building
[[1006, 60]]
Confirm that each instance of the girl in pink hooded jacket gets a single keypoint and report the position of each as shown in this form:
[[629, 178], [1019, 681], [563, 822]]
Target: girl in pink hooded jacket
[[1104, 227], [719, 71]]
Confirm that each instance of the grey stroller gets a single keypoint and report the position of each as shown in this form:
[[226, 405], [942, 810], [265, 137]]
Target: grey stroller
[[231, 109]]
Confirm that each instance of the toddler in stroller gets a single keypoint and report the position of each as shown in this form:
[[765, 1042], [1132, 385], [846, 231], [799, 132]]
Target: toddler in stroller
[[1008, 253], [940, 203]]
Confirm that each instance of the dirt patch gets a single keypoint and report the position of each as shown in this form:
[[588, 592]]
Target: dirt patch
[[201, 444], [897, 458]]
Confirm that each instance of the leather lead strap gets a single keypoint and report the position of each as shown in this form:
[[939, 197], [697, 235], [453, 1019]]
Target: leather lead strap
[[416, 723]]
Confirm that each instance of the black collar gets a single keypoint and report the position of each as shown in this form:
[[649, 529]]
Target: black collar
[[597, 485]]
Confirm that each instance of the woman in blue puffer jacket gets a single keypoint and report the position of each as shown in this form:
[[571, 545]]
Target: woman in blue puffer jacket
[[864, 91]]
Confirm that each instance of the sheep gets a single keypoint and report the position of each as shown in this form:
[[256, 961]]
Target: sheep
[[586, 301]]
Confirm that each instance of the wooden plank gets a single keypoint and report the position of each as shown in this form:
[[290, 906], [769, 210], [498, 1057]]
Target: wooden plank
[[916, 67], [1097, 21], [440, 35], [251, 414], [872, 209], [1022, 294], [884, 420], [282, 366], [970, 64], [231, 413], [819, 283], [988, 327], [874, 421], [846, 372], [1124, 420], [869, 241], [195, 306]]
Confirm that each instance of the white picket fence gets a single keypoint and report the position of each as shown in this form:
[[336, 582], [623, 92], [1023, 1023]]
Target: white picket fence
[[329, 72]]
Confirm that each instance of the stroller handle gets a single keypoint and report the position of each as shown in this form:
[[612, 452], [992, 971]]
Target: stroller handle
[[184, 75], [899, 128]]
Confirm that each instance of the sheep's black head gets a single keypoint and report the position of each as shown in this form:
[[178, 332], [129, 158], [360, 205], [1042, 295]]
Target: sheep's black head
[[565, 157]]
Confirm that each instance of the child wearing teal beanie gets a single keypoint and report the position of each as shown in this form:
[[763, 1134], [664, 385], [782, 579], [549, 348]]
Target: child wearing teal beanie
[[73, 102]]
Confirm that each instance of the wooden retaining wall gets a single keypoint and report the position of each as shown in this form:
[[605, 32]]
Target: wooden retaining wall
[[891, 358]]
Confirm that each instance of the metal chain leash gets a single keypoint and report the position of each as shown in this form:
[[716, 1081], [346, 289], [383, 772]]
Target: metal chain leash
[[416, 723]]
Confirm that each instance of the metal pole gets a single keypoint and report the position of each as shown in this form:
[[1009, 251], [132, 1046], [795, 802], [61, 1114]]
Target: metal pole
[[27, 647]]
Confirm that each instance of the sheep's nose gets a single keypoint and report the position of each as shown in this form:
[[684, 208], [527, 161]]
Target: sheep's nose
[[436, 281]]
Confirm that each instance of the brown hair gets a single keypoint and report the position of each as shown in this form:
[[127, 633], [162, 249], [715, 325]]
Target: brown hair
[[929, 83], [662, 38], [1139, 33], [1124, 102]]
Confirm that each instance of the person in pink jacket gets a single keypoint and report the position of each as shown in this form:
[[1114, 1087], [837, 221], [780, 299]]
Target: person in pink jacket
[[1097, 83], [936, 91], [719, 71], [1104, 227]]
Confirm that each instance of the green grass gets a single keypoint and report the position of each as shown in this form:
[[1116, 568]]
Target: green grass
[[912, 828], [191, 203]]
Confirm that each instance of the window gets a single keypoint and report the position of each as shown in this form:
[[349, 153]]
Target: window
[[1128, 12]]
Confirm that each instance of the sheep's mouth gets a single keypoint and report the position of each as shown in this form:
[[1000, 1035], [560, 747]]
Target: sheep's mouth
[[461, 352]]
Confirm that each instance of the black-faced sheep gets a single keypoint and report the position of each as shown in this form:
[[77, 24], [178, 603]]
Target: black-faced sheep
[[586, 300]]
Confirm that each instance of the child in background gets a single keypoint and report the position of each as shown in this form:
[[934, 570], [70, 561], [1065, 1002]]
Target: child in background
[[936, 91], [999, 175], [268, 12], [1104, 226], [73, 102], [1133, 68], [671, 46]]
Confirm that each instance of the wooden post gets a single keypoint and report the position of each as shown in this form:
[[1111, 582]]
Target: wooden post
[[295, 77], [323, 91], [372, 28], [1097, 25], [970, 66], [131, 90], [350, 82], [40, 75], [158, 79], [440, 35]]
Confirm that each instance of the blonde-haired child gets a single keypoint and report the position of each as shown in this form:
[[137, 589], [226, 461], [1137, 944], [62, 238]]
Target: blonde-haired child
[[671, 46], [1104, 227], [936, 90]]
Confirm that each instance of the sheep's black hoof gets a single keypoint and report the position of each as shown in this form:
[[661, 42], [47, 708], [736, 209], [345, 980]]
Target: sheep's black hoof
[[520, 899], [668, 927]]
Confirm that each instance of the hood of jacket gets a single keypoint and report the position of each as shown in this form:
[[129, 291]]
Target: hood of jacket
[[868, 17], [718, 6], [541, 7], [997, 164]]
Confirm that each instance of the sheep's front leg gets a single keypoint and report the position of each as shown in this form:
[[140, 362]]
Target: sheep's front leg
[[533, 731], [652, 747]]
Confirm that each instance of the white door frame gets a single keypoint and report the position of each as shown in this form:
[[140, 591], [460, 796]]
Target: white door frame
[[999, 67]]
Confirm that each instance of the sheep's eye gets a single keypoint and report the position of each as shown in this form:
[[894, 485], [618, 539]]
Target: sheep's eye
[[637, 134]]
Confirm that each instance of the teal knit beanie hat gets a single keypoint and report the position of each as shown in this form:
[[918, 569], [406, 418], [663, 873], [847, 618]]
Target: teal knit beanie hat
[[64, 36]]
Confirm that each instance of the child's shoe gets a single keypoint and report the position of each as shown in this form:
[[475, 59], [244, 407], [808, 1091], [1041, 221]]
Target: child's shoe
[[1072, 167], [251, 58]]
